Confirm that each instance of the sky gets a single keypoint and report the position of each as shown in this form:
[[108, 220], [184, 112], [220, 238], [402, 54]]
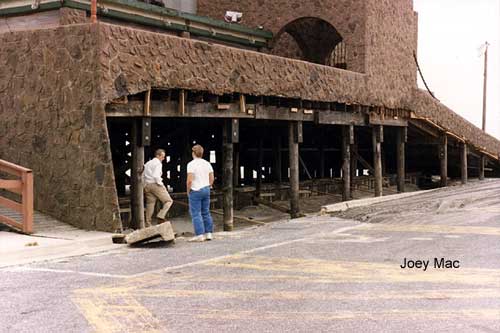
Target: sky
[[450, 34]]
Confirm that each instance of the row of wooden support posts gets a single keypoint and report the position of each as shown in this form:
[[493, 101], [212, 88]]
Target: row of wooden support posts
[[443, 157], [230, 138], [141, 132], [231, 164], [377, 140]]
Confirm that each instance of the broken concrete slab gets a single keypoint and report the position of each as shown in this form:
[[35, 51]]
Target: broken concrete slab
[[119, 238], [163, 231]]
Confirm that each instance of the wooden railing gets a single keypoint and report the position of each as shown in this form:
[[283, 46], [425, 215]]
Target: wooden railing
[[22, 186]]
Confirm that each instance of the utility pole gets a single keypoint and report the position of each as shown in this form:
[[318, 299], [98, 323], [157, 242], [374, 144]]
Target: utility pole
[[485, 84]]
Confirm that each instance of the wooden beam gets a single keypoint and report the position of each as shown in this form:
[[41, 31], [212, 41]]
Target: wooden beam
[[376, 119], [14, 186], [305, 167], [363, 162], [11, 222], [15, 206], [182, 102], [27, 202], [174, 109], [270, 112], [423, 127], [147, 104], [340, 118], [243, 106]]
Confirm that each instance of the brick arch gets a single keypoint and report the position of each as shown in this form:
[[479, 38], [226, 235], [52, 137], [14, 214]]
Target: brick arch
[[347, 16], [315, 37]]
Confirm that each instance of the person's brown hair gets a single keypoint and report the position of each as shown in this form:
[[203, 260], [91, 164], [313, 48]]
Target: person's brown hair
[[198, 151]]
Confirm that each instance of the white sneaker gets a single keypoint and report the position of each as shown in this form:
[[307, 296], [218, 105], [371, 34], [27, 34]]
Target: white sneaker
[[200, 238], [208, 236]]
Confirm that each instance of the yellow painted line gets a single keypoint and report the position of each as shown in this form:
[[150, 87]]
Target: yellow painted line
[[432, 228], [407, 315], [116, 313], [363, 271], [321, 296]]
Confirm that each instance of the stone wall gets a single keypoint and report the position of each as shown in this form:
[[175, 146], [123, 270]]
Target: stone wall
[[52, 122], [72, 16], [380, 35], [133, 61], [347, 16], [391, 40]]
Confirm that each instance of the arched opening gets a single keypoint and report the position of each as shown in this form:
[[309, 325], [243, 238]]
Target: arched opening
[[311, 39]]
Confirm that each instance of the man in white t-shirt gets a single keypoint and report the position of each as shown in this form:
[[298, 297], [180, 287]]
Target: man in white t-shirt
[[154, 189], [200, 177]]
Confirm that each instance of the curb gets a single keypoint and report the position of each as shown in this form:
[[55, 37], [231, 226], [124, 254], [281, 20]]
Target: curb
[[69, 249]]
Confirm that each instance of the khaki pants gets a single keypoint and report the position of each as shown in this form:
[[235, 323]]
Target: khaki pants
[[155, 192]]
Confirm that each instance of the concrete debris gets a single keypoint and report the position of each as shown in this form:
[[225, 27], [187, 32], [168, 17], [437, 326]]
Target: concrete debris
[[163, 231], [118, 238]]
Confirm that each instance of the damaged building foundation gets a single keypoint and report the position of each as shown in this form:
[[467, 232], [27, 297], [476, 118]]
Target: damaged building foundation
[[321, 99], [266, 148]]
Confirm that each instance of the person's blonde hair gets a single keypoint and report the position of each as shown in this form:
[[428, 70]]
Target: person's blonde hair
[[158, 152], [198, 151]]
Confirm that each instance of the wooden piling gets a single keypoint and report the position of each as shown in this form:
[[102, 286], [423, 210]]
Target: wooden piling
[[482, 164], [377, 138], [346, 165], [354, 166], [401, 143], [322, 153], [293, 148], [236, 165], [137, 188], [227, 181], [463, 162], [260, 162], [277, 165], [443, 158]]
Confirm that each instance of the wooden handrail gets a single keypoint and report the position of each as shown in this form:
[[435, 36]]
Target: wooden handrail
[[22, 186]]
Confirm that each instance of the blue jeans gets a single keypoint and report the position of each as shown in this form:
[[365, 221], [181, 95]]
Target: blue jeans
[[199, 208]]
